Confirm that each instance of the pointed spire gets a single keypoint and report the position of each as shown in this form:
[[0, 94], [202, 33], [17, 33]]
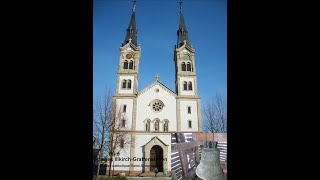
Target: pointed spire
[[182, 31], [132, 29]]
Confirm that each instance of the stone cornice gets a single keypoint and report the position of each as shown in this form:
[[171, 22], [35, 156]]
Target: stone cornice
[[122, 72], [181, 97], [122, 96], [186, 74]]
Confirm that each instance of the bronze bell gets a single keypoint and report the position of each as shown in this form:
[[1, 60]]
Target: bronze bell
[[209, 167]]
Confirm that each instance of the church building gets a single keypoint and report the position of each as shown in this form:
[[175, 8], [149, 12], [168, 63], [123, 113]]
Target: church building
[[152, 114]]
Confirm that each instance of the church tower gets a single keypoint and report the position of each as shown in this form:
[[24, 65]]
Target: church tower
[[125, 97], [188, 101], [127, 83], [127, 80]]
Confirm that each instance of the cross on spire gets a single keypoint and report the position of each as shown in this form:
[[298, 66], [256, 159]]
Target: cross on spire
[[182, 30], [157, 77], [131, 31], [134, 5]]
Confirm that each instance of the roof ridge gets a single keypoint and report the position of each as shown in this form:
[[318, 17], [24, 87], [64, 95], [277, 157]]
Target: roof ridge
[[155, 83]]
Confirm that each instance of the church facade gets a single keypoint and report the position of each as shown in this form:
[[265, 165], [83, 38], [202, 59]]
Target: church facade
[[152, 114]]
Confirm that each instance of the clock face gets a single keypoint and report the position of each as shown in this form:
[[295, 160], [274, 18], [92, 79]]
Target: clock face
[[128, 56], [185, 57]]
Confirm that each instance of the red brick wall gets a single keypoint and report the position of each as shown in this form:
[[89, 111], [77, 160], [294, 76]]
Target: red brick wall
[[219, 137]]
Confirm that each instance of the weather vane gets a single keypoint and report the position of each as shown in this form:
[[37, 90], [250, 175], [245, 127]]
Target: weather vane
[[180, 6]]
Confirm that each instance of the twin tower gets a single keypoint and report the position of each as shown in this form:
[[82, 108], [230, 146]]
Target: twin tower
[[155, 112], [186, 91]]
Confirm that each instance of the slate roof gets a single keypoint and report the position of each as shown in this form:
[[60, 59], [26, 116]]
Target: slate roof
[[132, 30]]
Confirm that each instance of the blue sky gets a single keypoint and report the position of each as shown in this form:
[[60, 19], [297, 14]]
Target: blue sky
[[157, 23]]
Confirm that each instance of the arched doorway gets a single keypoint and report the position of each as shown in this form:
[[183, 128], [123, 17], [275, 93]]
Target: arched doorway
[[156, 158]]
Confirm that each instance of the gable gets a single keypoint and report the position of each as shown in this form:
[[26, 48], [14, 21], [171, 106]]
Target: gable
[[130, 46], [147, 108], [156, 92], [187, 47], [155, 141], [157, 85]]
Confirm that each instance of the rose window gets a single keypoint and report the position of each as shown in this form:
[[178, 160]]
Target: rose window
[[157, 105]]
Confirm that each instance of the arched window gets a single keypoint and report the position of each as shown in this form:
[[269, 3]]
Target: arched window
[[123, 123], [148, 126], [125, 64], [189, 110], [129, 84], [166, 126], [190, 85], [121, 143], [183, 66], [124, 83], [189, 124], [124, 108], [185, 85], [189, 66], [131, 65], [156, 125]]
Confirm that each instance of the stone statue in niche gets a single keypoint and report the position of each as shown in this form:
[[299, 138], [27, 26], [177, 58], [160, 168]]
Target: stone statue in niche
[[165, 127], [156, 126], [148, 126]]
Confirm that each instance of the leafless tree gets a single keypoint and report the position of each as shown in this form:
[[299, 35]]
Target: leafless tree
[[101, 125], [109, 129], [119, 137], [215, 115]]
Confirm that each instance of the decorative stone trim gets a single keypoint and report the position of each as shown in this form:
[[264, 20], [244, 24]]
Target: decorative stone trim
[[153, 142], [130, 44], [157, 105], [187, 47], [161, 85]]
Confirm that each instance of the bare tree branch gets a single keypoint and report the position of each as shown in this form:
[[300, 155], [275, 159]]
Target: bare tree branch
[[215, 115], [110, 131]]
